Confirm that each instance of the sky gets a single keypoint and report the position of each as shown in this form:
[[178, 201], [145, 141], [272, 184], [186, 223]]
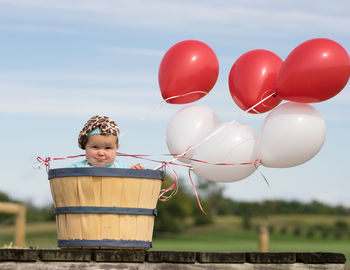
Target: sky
[[63, 61]]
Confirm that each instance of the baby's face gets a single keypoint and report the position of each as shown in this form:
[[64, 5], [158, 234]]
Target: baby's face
[[100, 150]]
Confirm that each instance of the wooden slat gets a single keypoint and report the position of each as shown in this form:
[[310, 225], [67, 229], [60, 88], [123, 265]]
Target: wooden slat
[[130, 198], [97, 189], [112, 189], [69, 186], [9, 208], [87, 198]]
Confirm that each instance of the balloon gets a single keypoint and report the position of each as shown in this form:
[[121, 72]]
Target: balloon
[[292, 134], [229, 143], [315, 71], [188, 66], [252, 78], [188, 127]]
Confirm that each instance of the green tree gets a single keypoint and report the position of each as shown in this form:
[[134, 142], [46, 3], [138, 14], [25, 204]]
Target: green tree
[[6, 218], [247, 222], [341, 229], [173, 213], [283, 230], [297, 231], [39, 214], [203, 219], [212, 193]]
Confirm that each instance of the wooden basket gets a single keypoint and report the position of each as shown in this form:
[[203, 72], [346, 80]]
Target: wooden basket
[[105, 207]]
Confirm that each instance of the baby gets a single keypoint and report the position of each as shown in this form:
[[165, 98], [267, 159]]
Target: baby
[[99, 139]]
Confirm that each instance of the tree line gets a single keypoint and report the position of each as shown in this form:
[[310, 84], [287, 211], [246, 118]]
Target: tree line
[[183, 209]]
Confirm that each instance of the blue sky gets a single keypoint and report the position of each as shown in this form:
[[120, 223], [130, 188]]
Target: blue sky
[[63, 61]]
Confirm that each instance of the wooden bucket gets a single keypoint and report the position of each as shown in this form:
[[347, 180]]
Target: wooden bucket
[[105, 207]]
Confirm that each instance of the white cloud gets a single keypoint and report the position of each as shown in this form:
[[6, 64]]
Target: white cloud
[[135, 51], [127, 104], [36, 28], [89, 77], [228, 17]]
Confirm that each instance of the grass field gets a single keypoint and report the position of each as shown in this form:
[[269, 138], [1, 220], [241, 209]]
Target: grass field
[[245, 242], [225, 235]]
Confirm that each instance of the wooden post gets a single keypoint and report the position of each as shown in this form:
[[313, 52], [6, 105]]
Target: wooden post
[[263, 239], [20, 225]]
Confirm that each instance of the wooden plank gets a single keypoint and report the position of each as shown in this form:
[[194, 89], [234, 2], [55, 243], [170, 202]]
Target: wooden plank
[[69, 189], [130, 197], [97, 189], [20, 227], [144, 224], [87, 198], [56, 189], [9, 208], [107, 230], [61, 227], [53, 194]]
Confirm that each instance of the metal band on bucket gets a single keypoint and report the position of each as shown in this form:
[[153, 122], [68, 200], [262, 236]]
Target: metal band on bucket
[[105, 210], [104, 243], [109, 172]]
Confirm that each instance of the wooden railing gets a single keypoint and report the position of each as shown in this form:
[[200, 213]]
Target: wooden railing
[[20, 224]]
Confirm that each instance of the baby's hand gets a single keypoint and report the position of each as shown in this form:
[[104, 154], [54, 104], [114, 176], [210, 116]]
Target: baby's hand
[[137, 166]]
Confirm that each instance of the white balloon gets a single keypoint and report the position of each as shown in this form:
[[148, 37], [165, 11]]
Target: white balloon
[[188, 127], [292, 134], [228, 143]]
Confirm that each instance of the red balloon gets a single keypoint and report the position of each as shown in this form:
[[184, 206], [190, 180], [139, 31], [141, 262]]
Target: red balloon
[[188, 66], [252, 78], [316, 70]]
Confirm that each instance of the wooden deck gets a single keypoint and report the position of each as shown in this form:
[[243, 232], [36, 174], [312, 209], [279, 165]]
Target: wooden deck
[[45, 259]]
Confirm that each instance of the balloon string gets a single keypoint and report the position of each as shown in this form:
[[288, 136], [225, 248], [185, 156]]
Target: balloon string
[[162, 103], [46, 161], [195, 191], [171, 162], [177, 157], [174, 185], [255, 105], [191, 148], [174, 188], [258, 162], [190, 93]]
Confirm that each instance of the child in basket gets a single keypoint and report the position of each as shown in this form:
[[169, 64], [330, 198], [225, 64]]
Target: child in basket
[[99, 139]]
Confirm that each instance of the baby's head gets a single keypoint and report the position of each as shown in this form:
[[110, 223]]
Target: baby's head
[[99, 139]]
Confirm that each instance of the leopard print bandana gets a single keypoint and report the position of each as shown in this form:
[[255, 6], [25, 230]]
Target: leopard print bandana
[[104, 123]]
